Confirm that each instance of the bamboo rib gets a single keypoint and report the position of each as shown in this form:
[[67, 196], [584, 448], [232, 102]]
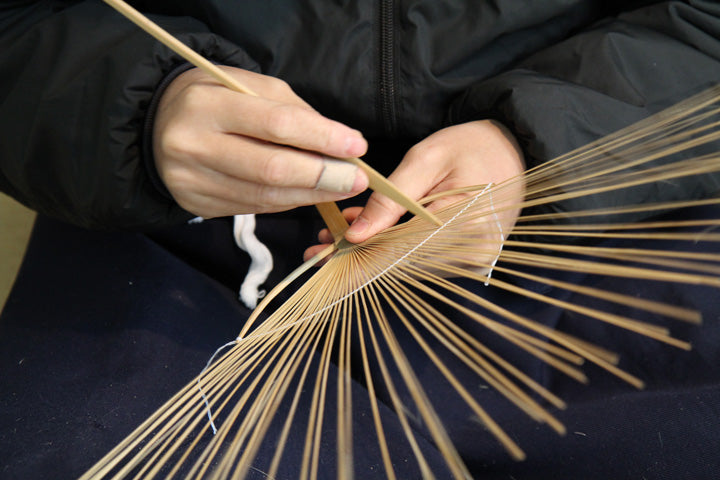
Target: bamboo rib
[[437, 325], [396, 288], [645, 207], [333, 218]]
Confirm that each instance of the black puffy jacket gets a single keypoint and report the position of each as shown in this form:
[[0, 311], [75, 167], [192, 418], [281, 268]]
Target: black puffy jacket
[[78, 80]]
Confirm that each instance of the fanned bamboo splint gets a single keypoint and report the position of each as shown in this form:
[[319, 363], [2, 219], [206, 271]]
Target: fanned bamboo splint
[[369, 294], [352, 316]]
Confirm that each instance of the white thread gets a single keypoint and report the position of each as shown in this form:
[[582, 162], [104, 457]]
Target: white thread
[[202, 393], [409, 252], [502, 240]]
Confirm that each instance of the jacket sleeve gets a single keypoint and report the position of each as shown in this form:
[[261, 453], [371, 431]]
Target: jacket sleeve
[[77, 91], [619, 71]]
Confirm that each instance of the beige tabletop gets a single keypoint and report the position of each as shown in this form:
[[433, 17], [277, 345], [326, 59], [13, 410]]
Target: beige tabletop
[[15, 225]]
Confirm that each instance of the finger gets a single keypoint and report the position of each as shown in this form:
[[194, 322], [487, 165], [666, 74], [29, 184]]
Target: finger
[[290, 124], [269, 164], [266, 86], [314, 250], [381, 212], [324, 236], [210, 207], [351, 213], [248, 197], [260, 85]]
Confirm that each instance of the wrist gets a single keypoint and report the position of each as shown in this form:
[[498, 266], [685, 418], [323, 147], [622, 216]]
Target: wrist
[[146, 137]]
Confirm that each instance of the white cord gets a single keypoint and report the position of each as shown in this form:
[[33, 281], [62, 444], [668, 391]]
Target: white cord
[[261, 260], [202, 393]]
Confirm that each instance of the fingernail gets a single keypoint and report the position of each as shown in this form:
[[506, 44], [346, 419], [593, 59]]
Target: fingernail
[[355, 146], [358, 227]]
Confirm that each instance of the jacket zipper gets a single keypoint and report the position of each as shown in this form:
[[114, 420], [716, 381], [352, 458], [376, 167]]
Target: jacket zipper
[[387, 81]]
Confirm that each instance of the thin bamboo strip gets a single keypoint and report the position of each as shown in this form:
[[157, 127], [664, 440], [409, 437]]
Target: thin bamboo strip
[[287, 365], [423, 404], [269, 338], [654, 125], [583, 266], [372, 396], [624, 322], [436, 324], [524, 322], [344, 413], [276, 459], [688, 261], [312, 442], [375, 311], [262, 394], [577, 228], [600, 352], [673, 311], [333, 218], [645, 207], [483, 320], [435, 424], [683, 236], [507, 366], [613, 186], [287, 362]]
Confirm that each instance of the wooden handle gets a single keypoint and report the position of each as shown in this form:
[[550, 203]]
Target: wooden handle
[[333, 218]]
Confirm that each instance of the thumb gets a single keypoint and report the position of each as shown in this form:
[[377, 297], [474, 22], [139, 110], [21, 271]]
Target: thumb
[[418, 173], [381, 212]]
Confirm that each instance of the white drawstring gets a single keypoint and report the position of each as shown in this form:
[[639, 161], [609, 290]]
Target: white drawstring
[[261, 260]]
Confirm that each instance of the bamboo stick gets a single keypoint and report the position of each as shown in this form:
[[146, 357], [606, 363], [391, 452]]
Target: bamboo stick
[[377, 182]]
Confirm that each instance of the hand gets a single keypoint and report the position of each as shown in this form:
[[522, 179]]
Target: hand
[[473, 153], [223, 153]]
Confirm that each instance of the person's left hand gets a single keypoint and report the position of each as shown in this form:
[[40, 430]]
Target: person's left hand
[[473, 153]]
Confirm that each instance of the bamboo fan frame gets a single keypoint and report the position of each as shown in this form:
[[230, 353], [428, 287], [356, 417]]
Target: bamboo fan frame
[[398, 284]]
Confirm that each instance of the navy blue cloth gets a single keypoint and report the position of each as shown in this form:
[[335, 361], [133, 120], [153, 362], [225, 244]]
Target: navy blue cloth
[[102, 328]]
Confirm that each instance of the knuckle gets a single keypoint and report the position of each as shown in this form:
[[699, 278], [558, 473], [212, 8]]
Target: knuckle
[[178, 180], [386, 207], [277, 86], [424, 154], [280, 122], [266, 199], [196, 96], [170, 142], [274, 169], [177, 143]]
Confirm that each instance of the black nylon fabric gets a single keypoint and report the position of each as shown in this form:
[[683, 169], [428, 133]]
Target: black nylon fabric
[[102, 328], [559, 73]]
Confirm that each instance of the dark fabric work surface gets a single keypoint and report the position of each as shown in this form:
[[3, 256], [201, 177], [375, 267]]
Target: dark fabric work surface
[[102, 328]]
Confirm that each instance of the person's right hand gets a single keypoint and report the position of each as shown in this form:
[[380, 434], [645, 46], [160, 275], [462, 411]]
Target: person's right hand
[[224, 153]]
